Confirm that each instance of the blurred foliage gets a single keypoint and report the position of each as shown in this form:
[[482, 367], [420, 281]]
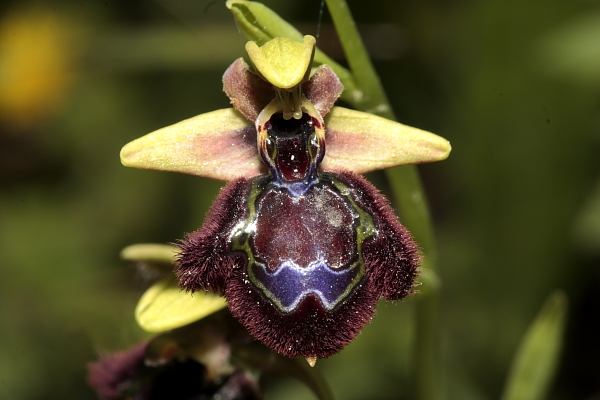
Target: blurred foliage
[[513, 85], [534, 364]]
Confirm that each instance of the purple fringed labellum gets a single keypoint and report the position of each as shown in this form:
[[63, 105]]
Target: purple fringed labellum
[[301, 255]]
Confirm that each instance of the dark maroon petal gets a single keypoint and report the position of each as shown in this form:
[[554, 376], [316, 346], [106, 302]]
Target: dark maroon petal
[[240, 386], [113, 373], [323, 89], [249, 94], [124, 375], [392, 257], [205, 262]]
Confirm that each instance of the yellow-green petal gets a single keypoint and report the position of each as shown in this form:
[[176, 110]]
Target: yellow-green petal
[[362, 143], [282, 61], [219, 145], [165, 306]]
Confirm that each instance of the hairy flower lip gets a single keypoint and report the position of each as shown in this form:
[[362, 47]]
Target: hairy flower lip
[[208, 259]]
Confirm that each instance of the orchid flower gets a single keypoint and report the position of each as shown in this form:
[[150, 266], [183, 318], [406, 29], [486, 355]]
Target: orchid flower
[[300, 245]]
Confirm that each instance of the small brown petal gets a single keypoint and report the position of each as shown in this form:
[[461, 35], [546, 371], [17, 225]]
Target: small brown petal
[[323, 89], [248, 92]]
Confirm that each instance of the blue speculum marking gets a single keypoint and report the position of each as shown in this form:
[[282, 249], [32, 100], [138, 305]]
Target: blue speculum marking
[[290, 284], [304, 232]]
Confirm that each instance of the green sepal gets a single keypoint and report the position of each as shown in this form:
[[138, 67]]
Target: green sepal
[[537, 357], [218, 145], [164, 306], [362, 142], [261, 24], [283, 62]]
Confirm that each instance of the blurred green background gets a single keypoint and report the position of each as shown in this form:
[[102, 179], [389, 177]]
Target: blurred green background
[[514, 85]]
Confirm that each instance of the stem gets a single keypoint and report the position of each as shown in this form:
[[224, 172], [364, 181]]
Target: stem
[[410, 199], [370, 97], [406, 186]]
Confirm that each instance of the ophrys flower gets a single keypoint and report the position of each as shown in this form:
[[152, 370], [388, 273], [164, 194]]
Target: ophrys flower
[[300, 245]]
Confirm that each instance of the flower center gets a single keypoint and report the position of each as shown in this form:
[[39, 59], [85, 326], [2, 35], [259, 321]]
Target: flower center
[[291, 148]]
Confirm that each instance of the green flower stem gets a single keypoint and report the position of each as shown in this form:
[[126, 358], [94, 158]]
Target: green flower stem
[[370, 97], [410, 199]]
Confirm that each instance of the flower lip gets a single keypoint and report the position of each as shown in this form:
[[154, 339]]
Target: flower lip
[[256, 222]]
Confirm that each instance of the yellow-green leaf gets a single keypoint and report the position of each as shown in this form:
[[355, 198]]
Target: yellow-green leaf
[[165, 306], [535, 362]]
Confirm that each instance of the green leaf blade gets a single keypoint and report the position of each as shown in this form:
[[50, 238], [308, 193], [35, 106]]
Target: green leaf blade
[[534, 364]]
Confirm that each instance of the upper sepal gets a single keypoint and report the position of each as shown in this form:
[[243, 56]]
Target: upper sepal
[[250, 94], [261, 24], [282, 61]]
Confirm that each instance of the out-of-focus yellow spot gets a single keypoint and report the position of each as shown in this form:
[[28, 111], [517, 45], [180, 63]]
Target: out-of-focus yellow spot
[[36, 59]]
